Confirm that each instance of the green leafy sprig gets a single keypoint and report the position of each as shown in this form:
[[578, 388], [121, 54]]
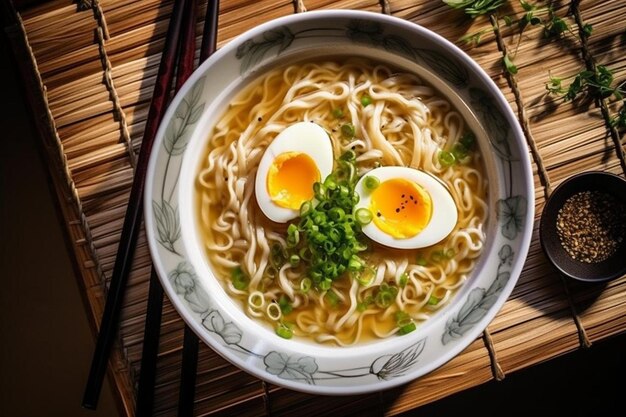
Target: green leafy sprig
[[475, 8], [598, 83]]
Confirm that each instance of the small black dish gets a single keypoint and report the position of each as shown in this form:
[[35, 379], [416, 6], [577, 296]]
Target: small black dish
[[611, 268]]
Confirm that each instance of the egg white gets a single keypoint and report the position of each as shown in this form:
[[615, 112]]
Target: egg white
[[444, 215], [304, 137]]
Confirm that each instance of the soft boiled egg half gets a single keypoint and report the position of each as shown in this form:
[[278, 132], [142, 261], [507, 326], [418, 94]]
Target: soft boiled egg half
[[410, 209], [297, 158]]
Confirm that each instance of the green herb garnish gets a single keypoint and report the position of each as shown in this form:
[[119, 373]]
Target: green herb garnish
[[284, 330], [402, 281], [371, 183], [328, 237], [347, 130], [404, 322], [433, 301], [446, 159], [385, 295], [366, 100], [239, 278], [285, 305], [337, 113], [475, 8]]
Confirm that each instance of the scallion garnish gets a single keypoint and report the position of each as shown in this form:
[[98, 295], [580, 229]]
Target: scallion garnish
[[347, 130], [366, 100], [283, 330], [363, 216], [285, 305], [326, 239], [294, 260], [385, 296], [446, 158], [332, 298], [305, 285], [432, 301], [402, 281], [337, 113], [371, 183], [408, 328], [239, 278]]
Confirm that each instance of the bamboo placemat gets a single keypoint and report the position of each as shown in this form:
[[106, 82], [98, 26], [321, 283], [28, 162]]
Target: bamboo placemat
[[91, 68]]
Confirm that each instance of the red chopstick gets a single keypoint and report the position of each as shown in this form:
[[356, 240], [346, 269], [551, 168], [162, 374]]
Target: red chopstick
[[132, 220]]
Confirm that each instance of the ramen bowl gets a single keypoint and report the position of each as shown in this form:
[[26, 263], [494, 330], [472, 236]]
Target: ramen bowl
[[176, 245]]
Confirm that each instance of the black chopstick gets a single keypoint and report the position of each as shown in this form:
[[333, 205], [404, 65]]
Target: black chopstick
[[149, 356], [188, 372], [150, 348], [209, 33], [132, 220]]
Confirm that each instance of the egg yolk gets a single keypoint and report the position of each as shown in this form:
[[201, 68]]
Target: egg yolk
[[290, 179], [401, 208]]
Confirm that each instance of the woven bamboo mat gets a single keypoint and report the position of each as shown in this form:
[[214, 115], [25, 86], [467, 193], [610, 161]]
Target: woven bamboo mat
[[94, 66]]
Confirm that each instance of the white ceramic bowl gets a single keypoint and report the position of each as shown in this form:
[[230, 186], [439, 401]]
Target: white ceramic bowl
[[183, 267]]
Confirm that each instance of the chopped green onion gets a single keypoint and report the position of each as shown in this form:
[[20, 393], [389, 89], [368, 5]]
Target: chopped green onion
[[285, 305], [325, 285], [327, 238], [404, 322], [459, 151], [347, 130], [365, 276], [468, 140], [337, 113], [336, 214], [305, 208], [284, 331], [294, 260], [363, 216], [363, 305], [408, 328], [421, 261], [402, 318], [320, 190], [332, 298], [349, 155], [404, 278], [293, 235], [383, 299], [432, 301], [239, 278], [366, 100], [355, 263], [446, 158], [305, 253], [371, 183], [330, 183], [305, 285], [450, 253], [385, 295]]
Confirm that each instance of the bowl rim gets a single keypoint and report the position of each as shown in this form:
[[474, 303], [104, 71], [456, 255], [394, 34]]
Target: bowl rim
[[566, 188], [516, 264]]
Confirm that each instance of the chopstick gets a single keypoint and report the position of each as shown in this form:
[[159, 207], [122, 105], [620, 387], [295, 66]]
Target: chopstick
[[150, 348], [145, 391], [186, 393], [132, 219]]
